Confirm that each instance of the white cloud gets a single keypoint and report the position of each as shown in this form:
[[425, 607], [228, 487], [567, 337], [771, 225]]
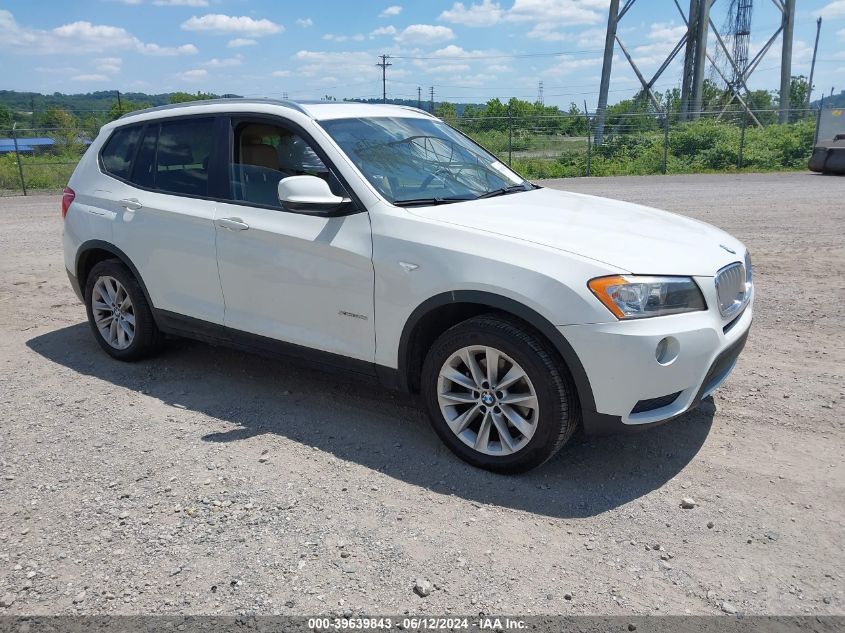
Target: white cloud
[[447, 69], [663, 37], [89, 78], [227, 62], [391, 11], [568, 12], [167, 51], [456, 52], [240, 42], [280, 73], [79, 37], [832, 10], [591, 38], [487, 13], [181, 3], [219, 23], [109, 65], [547, 31], [193, 75], [383, 30], [425, 34], [315, 63], [305, 22], [331, 37], [566, 64]]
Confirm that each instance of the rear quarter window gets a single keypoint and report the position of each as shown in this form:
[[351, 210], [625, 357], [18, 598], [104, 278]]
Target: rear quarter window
[[119, 151]]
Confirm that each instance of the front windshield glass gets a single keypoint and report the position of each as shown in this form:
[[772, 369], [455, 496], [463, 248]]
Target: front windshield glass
[[416, 160]]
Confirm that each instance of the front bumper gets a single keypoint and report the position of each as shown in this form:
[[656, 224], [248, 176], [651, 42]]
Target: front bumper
[[620, 362]]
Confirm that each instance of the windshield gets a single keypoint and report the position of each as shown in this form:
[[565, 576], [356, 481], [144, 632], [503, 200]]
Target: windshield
[[422, 161]]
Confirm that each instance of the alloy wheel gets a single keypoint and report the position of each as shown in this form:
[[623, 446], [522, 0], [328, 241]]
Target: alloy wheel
[[487, 400], [114, 314]]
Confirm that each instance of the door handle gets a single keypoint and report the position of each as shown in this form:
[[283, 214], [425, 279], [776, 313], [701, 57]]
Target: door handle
[[131, 203], [233, 224]]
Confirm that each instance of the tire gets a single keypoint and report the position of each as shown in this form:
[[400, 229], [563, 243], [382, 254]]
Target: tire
[[545, 421], [112, 276]]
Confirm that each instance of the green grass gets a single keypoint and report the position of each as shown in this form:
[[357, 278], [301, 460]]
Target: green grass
[[45, 171]]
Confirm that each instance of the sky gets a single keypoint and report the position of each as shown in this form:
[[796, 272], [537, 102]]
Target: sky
[[468, 51]]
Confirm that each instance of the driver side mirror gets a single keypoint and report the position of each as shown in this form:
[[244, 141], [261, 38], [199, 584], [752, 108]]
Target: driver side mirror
[[310, 195]]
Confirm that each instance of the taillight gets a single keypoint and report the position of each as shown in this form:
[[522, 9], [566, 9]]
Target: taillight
[[67, 197]]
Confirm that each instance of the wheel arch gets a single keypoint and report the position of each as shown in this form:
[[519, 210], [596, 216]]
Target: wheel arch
[[440, 312], [92, 252]]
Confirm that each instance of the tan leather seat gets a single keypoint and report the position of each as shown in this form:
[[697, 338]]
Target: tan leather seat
[[259, 154]]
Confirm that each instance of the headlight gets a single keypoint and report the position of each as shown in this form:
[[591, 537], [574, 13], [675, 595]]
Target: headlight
[[635, 297]]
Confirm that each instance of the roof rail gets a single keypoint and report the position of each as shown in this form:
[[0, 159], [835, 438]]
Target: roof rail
[[420, 110], [232, 100]]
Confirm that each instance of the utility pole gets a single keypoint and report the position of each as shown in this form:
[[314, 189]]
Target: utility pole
[[813, 65], [601, 110], [431, 99], [119, 104], [419, 98], [384, 64], [788, 25]]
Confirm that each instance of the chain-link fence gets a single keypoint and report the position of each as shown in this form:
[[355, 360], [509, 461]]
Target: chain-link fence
[[39, 158], [640, 143], [537, 146]]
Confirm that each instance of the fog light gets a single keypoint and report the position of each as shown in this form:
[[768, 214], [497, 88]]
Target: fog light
[[667, 350]]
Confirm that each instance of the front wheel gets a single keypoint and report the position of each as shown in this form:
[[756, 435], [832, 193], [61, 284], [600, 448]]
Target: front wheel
[[498, 395]]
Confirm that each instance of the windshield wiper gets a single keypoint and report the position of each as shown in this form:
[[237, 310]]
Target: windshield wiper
[[414, 202], [503, 191]]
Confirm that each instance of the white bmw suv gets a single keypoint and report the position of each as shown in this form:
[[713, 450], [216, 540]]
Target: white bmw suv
[[378, 240]]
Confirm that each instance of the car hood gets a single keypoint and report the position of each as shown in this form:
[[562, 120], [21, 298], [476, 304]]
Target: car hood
[[628, 236]]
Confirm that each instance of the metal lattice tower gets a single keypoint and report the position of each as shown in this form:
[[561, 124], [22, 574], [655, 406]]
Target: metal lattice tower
[[739, 30]]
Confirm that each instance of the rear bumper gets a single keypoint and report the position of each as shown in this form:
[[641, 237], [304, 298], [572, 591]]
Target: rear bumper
[[74, 283]]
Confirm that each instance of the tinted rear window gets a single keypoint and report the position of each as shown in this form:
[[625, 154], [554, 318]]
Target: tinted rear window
[[119, 151], [182, 156]]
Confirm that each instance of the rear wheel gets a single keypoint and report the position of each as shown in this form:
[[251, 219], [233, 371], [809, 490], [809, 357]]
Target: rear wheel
[[118, 312], [498, 395]]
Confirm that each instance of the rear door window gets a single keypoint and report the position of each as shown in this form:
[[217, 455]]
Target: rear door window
[[119, 151], [183, 154]]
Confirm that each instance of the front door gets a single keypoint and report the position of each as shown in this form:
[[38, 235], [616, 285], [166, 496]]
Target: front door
[[297, 278]]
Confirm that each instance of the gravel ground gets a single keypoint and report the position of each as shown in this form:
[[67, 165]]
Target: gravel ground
[[208, 481]]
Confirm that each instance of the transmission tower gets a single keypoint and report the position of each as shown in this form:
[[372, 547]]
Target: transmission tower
[[540, 99], [739, 30]]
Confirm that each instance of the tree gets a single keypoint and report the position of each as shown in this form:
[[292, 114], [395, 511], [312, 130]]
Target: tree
[[119, 109], [799, 88], [446, 111], [6, 121], [184, 97], [63, 127]]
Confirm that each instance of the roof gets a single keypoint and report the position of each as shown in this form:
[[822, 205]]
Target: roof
[[320, 110]]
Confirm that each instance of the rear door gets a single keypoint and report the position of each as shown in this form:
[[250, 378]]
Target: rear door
[[165, 216]]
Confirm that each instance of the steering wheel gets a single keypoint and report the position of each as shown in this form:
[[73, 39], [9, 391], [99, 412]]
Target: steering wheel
[[428, 179]]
